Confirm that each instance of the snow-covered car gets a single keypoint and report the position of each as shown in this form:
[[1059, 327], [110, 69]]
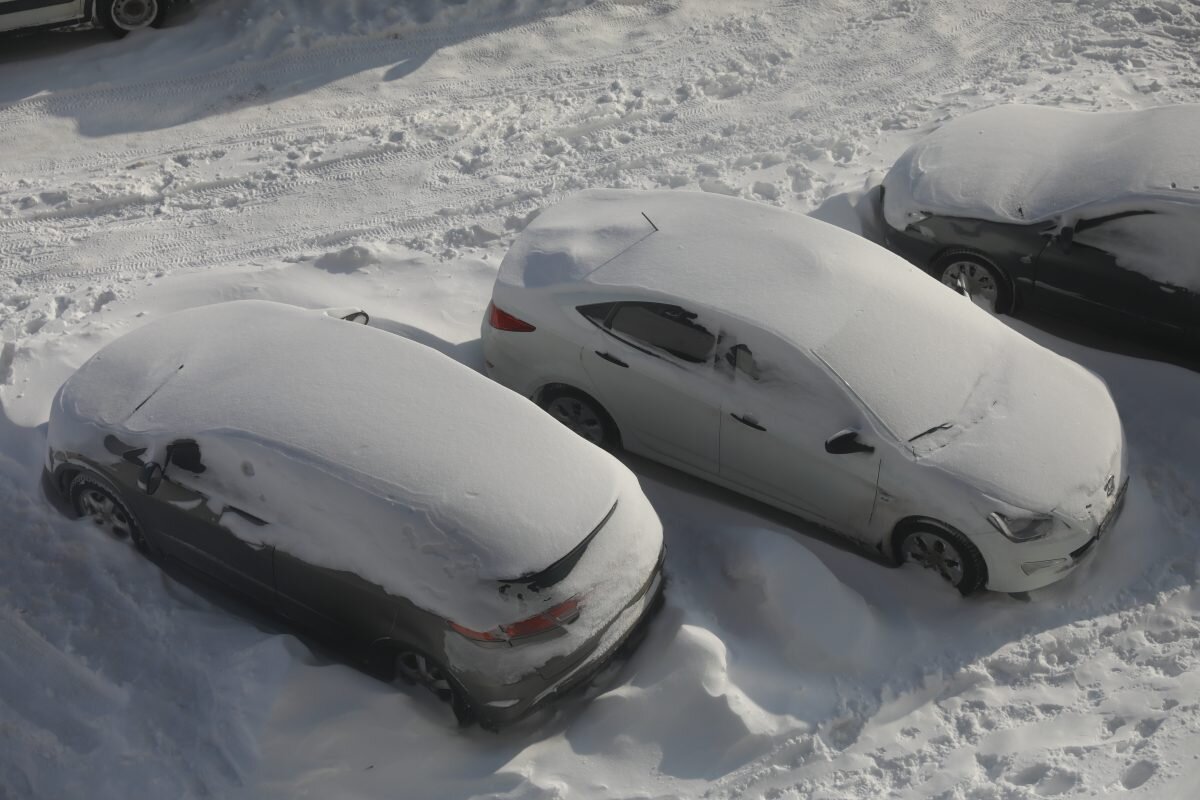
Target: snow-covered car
[[367, 488], [1092, 215], [118, 16], [804, 366]]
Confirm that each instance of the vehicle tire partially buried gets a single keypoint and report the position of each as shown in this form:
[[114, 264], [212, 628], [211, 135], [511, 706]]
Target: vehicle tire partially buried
[[945, 552], [981, 280], [121, 17], [581, 414], [96, 500], [414, 668]]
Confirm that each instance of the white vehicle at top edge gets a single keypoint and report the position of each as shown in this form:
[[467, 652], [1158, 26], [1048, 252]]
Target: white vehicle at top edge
[[118, 16], [804, 366]]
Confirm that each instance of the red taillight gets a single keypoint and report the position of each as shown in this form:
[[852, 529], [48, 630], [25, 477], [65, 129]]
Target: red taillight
[[561, 614], [503, 321], [478, 636]]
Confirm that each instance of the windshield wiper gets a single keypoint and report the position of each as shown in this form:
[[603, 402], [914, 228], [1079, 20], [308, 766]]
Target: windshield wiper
[[942, 427]]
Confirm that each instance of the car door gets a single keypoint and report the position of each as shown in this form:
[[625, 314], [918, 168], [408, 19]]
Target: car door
[[1109, 269], [210, 535], [778, 415], [651, 364], [16, 14], [338, 605]]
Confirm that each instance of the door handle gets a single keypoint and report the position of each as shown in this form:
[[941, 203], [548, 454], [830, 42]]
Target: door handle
[[612, 358], [749, 421]]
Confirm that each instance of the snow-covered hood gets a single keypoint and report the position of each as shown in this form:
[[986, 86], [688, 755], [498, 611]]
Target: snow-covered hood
[[1043, 440]]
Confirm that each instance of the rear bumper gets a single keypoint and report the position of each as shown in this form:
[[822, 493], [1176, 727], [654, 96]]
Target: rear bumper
[[536, 689]]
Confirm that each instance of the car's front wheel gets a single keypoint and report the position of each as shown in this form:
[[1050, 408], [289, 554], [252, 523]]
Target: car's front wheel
[[93, 499], [945, 552], [125, 16], [978, 278]]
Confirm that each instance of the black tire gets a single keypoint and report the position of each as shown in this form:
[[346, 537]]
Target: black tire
[[946, 552], [977, 268], [92, 497], [582, 414], [414, 668], [121, 17]]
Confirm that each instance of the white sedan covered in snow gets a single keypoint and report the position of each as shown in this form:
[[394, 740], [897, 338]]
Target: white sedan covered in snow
[[804, 366], [368, 488]]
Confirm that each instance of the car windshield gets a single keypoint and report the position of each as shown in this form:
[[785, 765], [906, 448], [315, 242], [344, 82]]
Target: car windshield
[[917, 374]]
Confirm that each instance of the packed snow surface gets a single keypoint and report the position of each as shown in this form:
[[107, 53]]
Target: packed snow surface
[[1027, 164], [385, 155]]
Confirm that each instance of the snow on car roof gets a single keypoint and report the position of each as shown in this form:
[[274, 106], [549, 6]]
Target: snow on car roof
[[916, 354], [498, 480], [1024, 163], [798, 277]]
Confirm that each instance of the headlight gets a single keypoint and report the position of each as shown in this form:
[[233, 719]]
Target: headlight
[[1022, 529]]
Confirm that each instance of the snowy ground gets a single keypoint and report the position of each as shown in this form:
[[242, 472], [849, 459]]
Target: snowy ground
[[384, 154]]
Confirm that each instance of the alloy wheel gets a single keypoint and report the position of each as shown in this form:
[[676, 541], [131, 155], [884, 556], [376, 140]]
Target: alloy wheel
[[976, 280], [416, 668], [931, 551], [579, 416], [132, 15], [105, 513]]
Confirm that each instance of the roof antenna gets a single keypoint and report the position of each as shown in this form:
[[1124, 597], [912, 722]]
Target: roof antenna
[[652, 225]]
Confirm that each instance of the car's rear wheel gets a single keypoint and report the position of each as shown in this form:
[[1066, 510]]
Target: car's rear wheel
[[125, 16], [978, 278], [945, 552], [93, 499], [415, 668], [581, 414]]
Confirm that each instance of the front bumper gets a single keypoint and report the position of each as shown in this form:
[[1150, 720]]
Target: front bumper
[[537, 688], [1014, 567]]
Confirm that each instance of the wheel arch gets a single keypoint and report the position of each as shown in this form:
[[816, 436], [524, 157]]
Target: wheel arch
[[540, 395], [916, 522], [1004, 273]]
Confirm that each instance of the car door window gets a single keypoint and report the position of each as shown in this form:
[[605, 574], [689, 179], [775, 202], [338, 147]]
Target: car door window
[[1161, 245], [185, 454], [662, 327]]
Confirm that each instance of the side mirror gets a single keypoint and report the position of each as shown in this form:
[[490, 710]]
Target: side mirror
[[1065, 237], [361, 317], [846, 442], [151, 478]]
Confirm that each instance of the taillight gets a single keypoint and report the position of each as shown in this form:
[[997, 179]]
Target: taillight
[[550, 620], [503, 321]]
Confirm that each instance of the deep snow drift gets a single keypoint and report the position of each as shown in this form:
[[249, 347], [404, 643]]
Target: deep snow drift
[[352, 154]]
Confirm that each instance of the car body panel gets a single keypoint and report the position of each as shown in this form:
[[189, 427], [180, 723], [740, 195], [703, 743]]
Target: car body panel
[[22, 14]]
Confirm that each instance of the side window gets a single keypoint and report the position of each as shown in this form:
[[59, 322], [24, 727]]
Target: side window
[[742, 360], [185, 454], [666, 327], [1088, 224], [597, 312]]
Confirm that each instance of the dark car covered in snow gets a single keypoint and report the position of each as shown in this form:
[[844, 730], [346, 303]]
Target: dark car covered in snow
[[1089, 215], [367, 488]]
